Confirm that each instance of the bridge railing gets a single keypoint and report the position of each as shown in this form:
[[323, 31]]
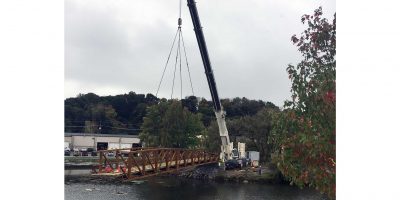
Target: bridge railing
[[135, 163]]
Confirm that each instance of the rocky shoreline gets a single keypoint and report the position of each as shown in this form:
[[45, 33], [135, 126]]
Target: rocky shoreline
[[269, 175]]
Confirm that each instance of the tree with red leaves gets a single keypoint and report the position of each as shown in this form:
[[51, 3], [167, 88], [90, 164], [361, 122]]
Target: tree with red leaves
[[304, 134]]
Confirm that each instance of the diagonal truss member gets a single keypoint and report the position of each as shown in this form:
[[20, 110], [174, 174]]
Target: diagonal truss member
[[137, 163]]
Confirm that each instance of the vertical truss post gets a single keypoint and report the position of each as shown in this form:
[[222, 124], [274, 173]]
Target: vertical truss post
[[156, 156], [184, 158], [101, 162], [192, 157], [177, 152], [143, 163], [129, 165], [167, 160], [117, 159]]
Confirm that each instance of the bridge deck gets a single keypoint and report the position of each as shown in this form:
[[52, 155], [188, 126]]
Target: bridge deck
[[139, 163]]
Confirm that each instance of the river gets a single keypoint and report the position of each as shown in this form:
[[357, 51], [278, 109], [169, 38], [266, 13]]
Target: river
[[166, 188]]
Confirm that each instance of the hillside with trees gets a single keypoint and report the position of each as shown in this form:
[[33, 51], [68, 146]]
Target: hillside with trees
[[90, 113], [186, 123], [126, 113]]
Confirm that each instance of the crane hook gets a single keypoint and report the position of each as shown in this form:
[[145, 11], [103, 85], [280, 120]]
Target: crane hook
[[179, 21]]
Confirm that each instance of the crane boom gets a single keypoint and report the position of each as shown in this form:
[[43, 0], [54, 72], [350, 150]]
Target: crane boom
[[226, 147]]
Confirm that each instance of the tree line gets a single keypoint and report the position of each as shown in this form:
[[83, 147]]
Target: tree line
[[185, 123], [124, 113]]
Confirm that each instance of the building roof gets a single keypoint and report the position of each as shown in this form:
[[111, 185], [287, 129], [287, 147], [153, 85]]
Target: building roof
[[100, 135]]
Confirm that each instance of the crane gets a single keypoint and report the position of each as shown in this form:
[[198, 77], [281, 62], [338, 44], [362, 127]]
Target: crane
[[226, 146]]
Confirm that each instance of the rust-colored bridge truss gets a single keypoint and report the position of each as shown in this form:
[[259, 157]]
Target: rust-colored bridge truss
[[136, 163]]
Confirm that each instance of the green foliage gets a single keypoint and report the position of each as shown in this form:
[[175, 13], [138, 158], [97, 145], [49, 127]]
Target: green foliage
[[129, 110], [234, 108], [239, 107], [206, 109], [212, 140], [303, 137], [253, 130], [169, 124], [191, 103], [259, 129], [114, 114]]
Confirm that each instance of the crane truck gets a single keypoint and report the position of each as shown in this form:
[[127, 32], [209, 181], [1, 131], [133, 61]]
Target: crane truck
[[226, 146]]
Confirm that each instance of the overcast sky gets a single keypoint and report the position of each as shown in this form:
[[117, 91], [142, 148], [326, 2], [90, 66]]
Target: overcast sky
[[116, 46]]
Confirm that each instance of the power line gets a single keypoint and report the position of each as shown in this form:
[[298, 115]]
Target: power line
[[105, 126], [104, 122]]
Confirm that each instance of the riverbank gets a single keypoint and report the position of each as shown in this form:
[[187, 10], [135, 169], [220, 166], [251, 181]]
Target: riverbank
[[212, 172], [267, 173]]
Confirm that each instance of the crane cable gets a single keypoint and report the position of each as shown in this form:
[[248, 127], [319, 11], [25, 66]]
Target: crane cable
[[176, 61], [166, 64], [187, 63], [178, 54], [180, 63]]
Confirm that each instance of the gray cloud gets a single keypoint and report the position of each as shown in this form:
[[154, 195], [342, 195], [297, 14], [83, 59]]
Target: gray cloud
[[114, 47]]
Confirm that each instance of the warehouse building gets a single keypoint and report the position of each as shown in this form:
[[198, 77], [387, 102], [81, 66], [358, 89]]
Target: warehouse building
[[80, 141]]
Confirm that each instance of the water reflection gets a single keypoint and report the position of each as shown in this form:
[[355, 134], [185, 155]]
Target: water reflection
[[175, 188]]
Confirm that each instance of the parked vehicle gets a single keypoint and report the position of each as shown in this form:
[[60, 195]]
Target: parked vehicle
[[66, 145], [84, 152], [232, 164], [244, 161], [110, 154], [67, 151], [125, 153], [76, 152], [92, 151]]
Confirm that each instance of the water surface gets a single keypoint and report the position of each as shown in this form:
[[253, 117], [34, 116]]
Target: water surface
[[177, 188]]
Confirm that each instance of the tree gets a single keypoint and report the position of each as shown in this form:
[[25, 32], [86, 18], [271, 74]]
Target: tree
[[191, 103], [90, 127], [153, 133], [169, 124], [206, 109], [252, 130], [212, 140], [104, 116], [258, 129], [125, 112], [303, 137]]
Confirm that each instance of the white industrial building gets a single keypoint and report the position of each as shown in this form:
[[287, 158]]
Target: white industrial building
[[100, 141]]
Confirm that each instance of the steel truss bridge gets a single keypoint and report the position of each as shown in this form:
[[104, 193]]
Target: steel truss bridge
[[137, 163]]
